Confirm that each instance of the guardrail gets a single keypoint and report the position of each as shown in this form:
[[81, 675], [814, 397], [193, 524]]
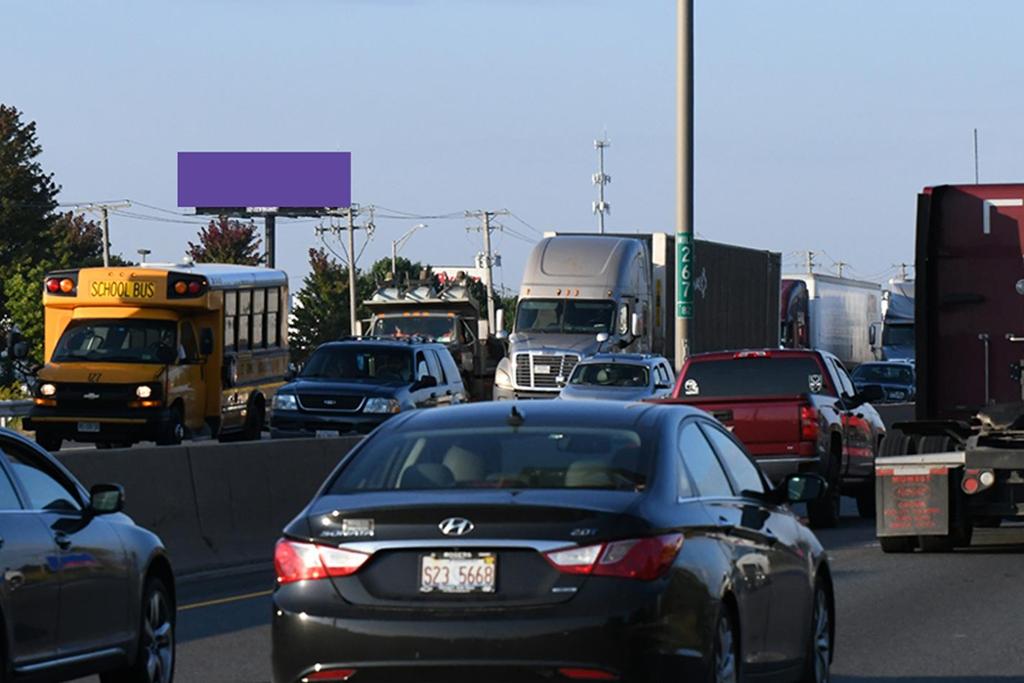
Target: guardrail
[[9, 409]]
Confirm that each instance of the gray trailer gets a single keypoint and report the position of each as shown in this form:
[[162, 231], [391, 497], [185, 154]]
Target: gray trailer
[[583, 293]]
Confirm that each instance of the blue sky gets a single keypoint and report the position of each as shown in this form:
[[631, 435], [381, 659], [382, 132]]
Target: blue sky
[[817, 122]]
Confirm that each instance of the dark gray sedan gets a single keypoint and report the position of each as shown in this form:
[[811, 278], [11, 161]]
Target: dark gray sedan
[[552, 541], [620, 377], [84, 590]]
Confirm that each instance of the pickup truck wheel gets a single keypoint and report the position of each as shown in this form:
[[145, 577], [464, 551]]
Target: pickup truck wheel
[[866, 502], [898, 544], [824, 513]]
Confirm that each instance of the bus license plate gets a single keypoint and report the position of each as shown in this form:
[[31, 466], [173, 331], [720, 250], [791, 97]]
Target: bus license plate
[[458, 572], [90, 427]]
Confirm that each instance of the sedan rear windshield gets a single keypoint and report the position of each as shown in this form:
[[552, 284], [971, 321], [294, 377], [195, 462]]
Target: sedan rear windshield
[[760, 376], [500, 457], [884, 374]]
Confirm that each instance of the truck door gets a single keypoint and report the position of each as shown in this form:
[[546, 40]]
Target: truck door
[[858, 432]]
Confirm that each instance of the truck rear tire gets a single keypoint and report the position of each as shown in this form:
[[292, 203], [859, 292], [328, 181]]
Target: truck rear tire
[[49, 442], [897, 442], [935, 444], [898, 544]]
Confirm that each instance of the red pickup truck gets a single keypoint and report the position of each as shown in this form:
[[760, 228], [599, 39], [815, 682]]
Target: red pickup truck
[[796, 411]]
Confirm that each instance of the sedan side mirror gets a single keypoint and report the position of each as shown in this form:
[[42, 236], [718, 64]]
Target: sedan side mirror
[[106, 499], [20, 350], [804, 488]]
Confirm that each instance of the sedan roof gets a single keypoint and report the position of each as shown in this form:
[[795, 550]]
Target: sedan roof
[[545, 413]]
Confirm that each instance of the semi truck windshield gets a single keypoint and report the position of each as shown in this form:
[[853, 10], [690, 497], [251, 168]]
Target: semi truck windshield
[[564, 316]]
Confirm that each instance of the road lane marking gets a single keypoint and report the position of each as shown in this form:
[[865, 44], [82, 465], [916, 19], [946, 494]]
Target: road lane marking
[[225, 601]]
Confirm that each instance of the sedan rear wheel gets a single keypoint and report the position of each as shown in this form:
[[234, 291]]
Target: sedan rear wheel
[[154, 661], [727, 661]]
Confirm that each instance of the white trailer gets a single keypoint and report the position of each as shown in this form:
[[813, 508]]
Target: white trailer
[[841, 314]]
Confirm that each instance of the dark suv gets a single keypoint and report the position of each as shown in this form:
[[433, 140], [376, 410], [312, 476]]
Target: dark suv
[[354, 385]]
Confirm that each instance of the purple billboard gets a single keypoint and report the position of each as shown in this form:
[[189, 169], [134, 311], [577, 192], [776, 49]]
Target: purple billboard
[[265, 179]]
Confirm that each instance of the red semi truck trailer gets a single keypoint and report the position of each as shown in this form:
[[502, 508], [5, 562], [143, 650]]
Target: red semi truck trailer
[[960, 464]]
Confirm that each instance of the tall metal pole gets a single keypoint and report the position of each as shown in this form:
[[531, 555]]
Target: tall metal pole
[[394, 259], [105, 214], [269, 224], [487, 272], [352, 270], [601, 207], [977, 176], [684, 177]]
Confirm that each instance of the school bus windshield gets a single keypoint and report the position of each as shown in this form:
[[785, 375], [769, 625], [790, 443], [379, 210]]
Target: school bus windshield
[[118, 341]]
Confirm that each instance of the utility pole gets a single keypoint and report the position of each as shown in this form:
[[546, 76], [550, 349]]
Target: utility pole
[[485, 217], [977, 176], [601, 207], [684, 178], [810, 262], [104, 212], [350, 214], [840, 266], [903, 271]]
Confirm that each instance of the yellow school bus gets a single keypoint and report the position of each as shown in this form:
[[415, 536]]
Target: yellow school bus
[[158, 352]]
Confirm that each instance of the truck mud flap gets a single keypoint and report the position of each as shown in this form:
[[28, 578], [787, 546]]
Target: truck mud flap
[[913, 500]]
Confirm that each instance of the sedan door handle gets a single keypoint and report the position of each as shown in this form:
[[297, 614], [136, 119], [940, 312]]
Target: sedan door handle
[[62, 540]]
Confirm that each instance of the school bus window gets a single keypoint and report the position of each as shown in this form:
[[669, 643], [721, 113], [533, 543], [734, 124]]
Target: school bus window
[[259, 299], [245, 302], [242, 331], [188, 342], [229, 333], [273, 300], [230, 303], [271, 329], [259, 321]]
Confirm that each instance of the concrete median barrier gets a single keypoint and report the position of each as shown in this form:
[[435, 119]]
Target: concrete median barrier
[[215, 505]]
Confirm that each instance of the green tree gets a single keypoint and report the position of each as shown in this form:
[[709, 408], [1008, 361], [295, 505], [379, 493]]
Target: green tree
[[321, 307], [27, 195], [74, 243], [228, 241]]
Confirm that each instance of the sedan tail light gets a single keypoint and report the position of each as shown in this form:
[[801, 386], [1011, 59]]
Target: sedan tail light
[[295, 561], [645, 559], [578, 674], [329, 675]]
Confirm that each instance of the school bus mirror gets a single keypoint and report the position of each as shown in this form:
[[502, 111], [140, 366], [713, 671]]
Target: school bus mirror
[[206, 341]]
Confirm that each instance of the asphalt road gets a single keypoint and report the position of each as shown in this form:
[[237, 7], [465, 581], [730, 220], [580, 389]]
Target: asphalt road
[[901, 618]]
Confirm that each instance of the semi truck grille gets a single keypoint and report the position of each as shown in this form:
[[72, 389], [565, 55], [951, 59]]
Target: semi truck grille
[[330, 402], [535, 371]]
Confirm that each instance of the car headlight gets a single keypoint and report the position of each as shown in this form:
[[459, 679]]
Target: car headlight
[[381, 405], [47, 390], [285, 402], [142, 391], [502, 379]]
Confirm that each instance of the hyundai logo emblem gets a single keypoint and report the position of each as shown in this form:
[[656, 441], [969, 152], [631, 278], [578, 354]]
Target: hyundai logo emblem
[[455, 526]]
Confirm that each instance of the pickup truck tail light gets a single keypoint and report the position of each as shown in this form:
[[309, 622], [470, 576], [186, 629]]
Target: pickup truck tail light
[[808, 423]]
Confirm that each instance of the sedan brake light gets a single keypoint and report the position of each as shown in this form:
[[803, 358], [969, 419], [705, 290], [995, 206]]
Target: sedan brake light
[[578, 674], [644, 559], [295, 561], [329, 675]]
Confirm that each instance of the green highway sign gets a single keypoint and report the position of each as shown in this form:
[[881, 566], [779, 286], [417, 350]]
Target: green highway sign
[[684, 272]]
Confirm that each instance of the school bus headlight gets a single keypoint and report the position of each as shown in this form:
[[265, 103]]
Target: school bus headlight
[[142, 391], [47, 390], [285, 402], [381, 405]]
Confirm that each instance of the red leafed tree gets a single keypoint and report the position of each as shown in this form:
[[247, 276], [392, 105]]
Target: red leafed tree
[[228, 241]]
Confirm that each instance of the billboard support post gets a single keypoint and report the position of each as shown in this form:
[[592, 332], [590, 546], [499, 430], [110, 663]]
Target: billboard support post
[[269, 226]]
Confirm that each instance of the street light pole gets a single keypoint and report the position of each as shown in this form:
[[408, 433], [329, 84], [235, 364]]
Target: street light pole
[[684, 178], [395, 244]]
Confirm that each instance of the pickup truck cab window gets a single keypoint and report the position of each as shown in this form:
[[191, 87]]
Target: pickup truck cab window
[[756, 376]]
